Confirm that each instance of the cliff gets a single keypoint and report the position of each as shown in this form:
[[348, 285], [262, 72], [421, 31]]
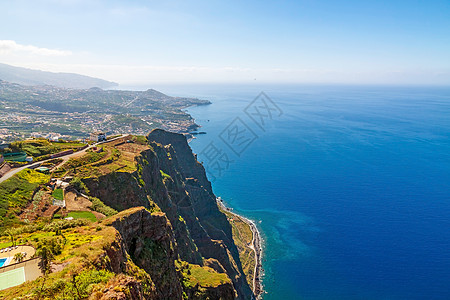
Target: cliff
[[149, 241], [168, 179], [168, 240], [132, 255]]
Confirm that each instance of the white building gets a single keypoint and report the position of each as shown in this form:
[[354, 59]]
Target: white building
[[98, 136]]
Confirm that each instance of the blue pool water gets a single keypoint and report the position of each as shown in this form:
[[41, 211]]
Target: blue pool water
[[2, 261], [351, 185]]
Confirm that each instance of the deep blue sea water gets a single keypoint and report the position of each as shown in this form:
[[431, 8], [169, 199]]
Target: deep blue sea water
[[351, 186]]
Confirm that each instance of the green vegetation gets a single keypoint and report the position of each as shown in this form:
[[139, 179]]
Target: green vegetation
[[32, 176], [198, 277], [206, 277], [243, 236], [37, 226], [79, 185], [58, 194], [117, 159], [88, 158], [78, 286], [164, 175], [16, 192], [81, 246], [82, 215], [5, 244], [42, 147], [99, 206], [47, 249], [140, 139]]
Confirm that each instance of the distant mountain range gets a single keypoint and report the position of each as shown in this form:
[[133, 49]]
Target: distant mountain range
[[26, 76]]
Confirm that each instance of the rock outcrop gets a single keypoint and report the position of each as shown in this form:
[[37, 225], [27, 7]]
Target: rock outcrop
[[148, 239]]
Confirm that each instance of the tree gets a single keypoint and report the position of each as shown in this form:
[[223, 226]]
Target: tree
[[18, 257], [46, 251], [79, 185], [11, 236]]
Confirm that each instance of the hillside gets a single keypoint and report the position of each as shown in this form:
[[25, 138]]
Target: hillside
[[148, 228], [26, 76], [74, 113]]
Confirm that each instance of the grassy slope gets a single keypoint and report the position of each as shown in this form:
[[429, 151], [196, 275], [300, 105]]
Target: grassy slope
[[198, 277], [243, 236], [16, 193], [113, 159], [82, 215], [206, 277], [79, 245], [40, 147], [58, 194]]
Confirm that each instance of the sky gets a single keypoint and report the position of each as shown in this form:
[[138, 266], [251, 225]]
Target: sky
[[138, 42]]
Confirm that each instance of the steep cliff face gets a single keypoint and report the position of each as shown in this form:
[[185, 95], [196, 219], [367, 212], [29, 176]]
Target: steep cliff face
[[169, 181], [197, 205], [148, 239]]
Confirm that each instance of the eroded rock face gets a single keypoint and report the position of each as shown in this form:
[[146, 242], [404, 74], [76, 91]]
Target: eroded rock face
[[125, 288], [190, 191], [220, 292], [145, 240], [119, 190], [148, 239]]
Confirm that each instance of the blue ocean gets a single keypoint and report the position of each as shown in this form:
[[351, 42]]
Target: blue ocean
[[349, 185]]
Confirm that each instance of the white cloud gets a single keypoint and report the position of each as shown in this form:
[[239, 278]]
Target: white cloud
[[11, 47]]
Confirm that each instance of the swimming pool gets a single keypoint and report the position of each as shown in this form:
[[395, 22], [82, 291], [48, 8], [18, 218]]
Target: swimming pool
[[2, 261]]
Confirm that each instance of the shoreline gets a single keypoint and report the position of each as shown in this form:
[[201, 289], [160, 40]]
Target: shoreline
[[256, 246]]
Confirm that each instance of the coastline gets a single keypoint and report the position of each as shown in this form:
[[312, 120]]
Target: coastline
[[256, 246]]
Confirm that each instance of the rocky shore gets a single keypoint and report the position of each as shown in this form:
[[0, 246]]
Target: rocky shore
[[256, 246]]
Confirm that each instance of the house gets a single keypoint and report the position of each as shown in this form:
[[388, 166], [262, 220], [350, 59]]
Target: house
[[98, 136]]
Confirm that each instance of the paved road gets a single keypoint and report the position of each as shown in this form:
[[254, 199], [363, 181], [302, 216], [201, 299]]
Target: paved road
[[65, 159], [255, 246]]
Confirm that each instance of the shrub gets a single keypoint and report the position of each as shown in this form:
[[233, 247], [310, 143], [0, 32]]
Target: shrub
[[99, 206], [164, 175], [16, 192], [79, 185], [64, 224]]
